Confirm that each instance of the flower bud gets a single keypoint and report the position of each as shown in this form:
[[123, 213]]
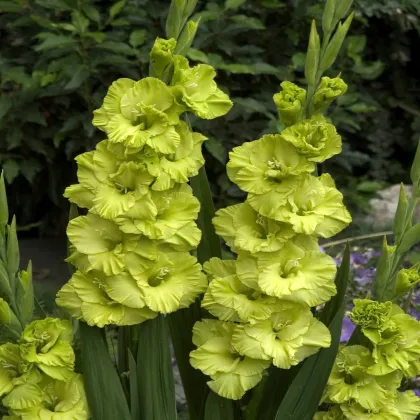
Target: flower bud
[[407, 278], [414, 173], [4, 212], [400, 215], [8, 318], [25, 295], [187, 37], [12, 251], [312, 56], [328, 16], [290, 103], [161, 58], [328, 90], [179, 12], [335, 44], [342, 7]]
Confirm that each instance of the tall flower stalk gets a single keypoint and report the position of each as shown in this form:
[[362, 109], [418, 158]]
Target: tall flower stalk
[[132, 250], [262, 300]]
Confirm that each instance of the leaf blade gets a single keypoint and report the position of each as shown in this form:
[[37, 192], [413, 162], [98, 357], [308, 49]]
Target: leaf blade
[[210, 243], [218, 408], [181, 323], [156, 389], [103, 387]]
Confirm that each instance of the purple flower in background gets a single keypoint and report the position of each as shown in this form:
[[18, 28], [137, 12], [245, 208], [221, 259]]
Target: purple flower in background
[[417, 392], [347, 329], [364, 276], [414, 312], [356, 258]]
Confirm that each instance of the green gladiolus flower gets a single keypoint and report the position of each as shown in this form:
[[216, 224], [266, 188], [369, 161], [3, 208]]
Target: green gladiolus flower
[[286, 338], [166, 216], [298, 275], [228, 298], [407, 278], [350, 381], [244, 229], [99, 244], [138, 113], [371, 316], [15, 372], [313, 207], [177, 167], [328, 90], [403, 406], [290, 103], [174, 281], [314, 138], [263, 166], [195, 88], [47, 344], [231, 373], [60, 401], [395, 337], [107, 185], [86, 297]]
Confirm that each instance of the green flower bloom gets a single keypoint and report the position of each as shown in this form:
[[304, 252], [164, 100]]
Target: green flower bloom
[[107, 186], [244, 229], [395, 337], [216, 268], [350, 381], [99, 244], [314, 208], [314, 138], [290, 102], [286, 338], [85, 297], [61, 401], [195, 88], [231, 374], [181, 165], [47, 343], [172, 282], [15, 372], [262, 166], [297, 275], [138, 113], [327, 92], [403, 406], [334, 413], [167, 216], [373, 317], [161, 57], [230, 299], [407, 278]]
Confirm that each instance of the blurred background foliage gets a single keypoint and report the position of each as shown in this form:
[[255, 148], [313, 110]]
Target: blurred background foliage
[[57, 58]]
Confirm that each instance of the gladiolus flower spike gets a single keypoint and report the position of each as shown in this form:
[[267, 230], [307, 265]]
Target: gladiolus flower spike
[[132, 248], [263, 299]]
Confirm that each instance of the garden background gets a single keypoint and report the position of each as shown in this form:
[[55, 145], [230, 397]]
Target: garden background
[[57, 58]]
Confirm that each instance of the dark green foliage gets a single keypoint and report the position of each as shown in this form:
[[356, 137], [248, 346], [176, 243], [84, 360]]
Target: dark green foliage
[[57, 58]]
